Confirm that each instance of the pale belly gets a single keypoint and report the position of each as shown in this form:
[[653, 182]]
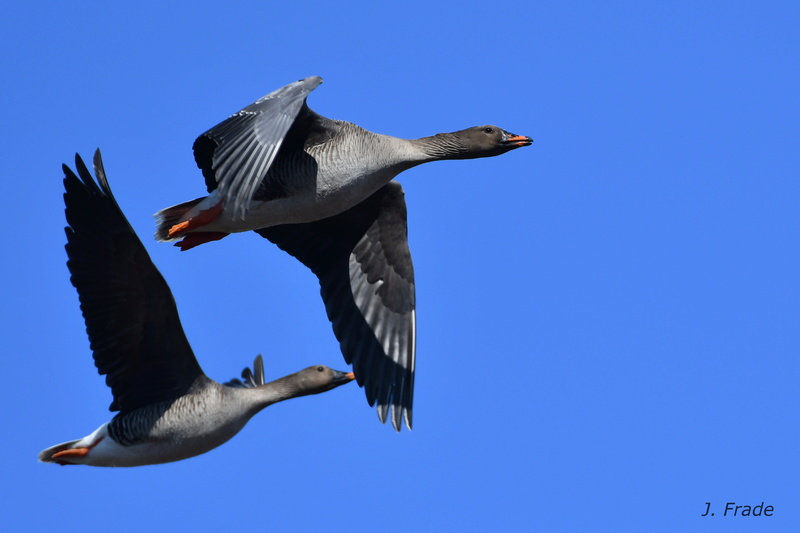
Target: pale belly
[[328, 196], [165, 447]]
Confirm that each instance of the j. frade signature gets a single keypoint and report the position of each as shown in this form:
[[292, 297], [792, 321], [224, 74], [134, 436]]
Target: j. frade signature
[[732, 509]]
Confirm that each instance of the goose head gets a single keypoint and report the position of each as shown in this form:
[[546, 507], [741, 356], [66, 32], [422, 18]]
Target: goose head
[[319, 378], [474, 142]]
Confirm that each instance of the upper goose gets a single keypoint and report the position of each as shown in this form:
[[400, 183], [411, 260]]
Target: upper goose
[[322, 190], [168, 409]]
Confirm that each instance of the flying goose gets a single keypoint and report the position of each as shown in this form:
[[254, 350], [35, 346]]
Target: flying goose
[[168, 409], [323, 191]]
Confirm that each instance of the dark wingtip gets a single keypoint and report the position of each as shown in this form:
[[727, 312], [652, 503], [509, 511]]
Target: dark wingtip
[[398, 415]]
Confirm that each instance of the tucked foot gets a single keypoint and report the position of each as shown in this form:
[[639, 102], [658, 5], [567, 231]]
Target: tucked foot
[[62, 456], [204, 217], [72, 452], [190, 240]]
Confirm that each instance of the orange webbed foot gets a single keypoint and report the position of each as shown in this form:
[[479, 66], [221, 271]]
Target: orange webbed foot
[[204, 217], [190, 240], [72, 452]]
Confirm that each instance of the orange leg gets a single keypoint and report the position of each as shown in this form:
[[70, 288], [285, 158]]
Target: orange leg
[[190, 240], [75, 452], [204, 217]]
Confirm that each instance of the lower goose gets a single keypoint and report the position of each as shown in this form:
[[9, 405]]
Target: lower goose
[[168, 409]]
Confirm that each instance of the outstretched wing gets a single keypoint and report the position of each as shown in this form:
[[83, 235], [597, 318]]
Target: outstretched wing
[[363, 263], [134, 331], [235, 154]]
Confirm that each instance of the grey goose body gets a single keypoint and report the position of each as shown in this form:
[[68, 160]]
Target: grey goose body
[[168, 408], [323, 191]]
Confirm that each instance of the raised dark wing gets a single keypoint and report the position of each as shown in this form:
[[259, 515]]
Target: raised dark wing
[[363, 263], [250, 378], [134, 331], [235, 154]]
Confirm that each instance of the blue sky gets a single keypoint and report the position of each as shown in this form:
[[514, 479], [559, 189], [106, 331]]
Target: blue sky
[[608, 320]]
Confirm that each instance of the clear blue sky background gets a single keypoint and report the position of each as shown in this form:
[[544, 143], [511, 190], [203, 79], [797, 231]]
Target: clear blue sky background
[[608, 320]]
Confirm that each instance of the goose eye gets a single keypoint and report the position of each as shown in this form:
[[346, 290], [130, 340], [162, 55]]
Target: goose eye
[[320, 369], [488, 130]]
